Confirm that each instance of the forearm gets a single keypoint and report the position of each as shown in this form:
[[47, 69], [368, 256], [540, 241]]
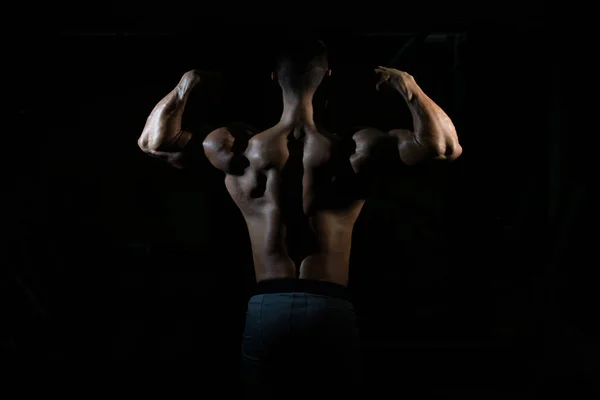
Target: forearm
[[163, 131], [434, 135]]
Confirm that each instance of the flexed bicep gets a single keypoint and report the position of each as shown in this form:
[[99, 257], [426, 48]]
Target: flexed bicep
[[164, 135], [434, 136], [163, 131]]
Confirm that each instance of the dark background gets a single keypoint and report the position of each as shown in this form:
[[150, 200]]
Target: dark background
[[469, 278]]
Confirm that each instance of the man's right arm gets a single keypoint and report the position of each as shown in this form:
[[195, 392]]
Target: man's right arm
[[163, 136], [434, 136]]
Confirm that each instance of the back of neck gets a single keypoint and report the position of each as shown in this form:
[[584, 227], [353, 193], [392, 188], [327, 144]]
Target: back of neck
[[297, 111]]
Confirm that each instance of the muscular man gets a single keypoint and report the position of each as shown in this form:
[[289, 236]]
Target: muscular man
[[300, 190]]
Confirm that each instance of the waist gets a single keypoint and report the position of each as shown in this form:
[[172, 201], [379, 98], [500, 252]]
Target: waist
[[310, 286]]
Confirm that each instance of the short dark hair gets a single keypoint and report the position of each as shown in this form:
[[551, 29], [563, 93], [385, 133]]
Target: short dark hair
[[302, 63]]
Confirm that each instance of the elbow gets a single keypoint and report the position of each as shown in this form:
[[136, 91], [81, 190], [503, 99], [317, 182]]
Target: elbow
[[418, 154], [142, 144], [455, 153], [450, 152], [147, 145], [448, 149]]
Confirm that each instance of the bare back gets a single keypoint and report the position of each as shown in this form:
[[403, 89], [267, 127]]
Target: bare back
[[300, 191]]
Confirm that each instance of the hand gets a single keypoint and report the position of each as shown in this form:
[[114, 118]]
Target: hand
[[395, 79]]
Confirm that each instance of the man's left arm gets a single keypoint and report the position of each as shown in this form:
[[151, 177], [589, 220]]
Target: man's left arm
[[163, 136]]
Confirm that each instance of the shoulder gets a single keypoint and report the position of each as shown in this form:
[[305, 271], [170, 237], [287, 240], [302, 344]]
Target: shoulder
[[375, 150], [227, 134], [361, 140], [370, 139], [224, 147], [361, 132], [217, 141]]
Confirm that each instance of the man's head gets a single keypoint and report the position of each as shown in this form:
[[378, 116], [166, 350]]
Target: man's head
[[301, 65]]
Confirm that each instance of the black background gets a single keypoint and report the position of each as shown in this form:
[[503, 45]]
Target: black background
[[466, 276]]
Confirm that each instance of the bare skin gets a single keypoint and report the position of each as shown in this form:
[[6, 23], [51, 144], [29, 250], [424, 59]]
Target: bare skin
[[163, 136], [295, 176]]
